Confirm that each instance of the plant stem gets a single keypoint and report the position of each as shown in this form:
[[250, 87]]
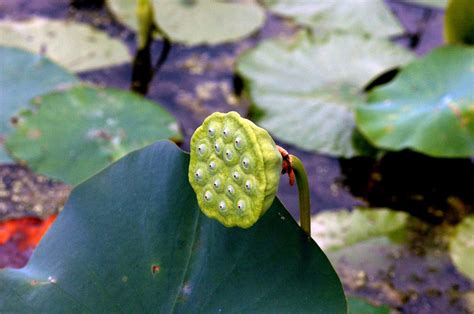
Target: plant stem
[[303, 193], [165, 51]]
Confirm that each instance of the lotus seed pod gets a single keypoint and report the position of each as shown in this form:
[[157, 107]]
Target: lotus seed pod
[[234, 169]]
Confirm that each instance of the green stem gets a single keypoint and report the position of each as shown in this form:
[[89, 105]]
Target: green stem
[[303, 193]]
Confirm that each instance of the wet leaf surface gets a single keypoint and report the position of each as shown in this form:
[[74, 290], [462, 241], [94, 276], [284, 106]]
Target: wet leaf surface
[[79, 131], [158, 252], [93, 48], [305, 91], [428, 107]]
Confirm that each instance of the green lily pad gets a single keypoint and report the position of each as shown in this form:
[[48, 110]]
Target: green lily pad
[[440, 4], [4, 158], [132, 239], [361, 16], [77, 132], [306, 90], [459, 22], [24, 75], [360, 306], [428, 107], [76, 46], [461, 247], [336, 230], [361, 240], [194, 22]]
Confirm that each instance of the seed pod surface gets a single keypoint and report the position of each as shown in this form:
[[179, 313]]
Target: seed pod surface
[[234, 169]]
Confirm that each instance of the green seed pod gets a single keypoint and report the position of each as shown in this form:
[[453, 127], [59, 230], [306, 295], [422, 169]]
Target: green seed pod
[[234, 169]]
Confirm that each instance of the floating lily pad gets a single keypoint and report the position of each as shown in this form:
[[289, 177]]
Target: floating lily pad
[[336, 230], [440, 4], [125, 11], [132, 239], [306, 90], [428, 107], [369, 17], [76, 46], [459, 22], [77, 132], [24, 75], [4, 158], [361, 240], [360, 306], [195, 22], [461, 247]]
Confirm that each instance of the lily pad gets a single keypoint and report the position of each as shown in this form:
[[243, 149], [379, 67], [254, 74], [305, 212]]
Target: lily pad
[[132, 239], [369, 17], [459, 22], [125, 11], [440, 4], [362, 240], [77, 132], [336, 230], [24, 75], [76, 46], [194, 22], [428, 107], [360, 306], [306, 90], [461, 247]]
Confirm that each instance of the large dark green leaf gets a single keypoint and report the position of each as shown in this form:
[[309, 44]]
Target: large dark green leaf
[[307, 89], [24, 75], [132, 239], [428, 107], [79, 131]]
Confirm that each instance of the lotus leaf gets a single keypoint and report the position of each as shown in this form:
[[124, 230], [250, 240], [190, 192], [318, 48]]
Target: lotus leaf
[[305, 90], [132, 239], [428, 107], [75, 46], [79, 131]]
